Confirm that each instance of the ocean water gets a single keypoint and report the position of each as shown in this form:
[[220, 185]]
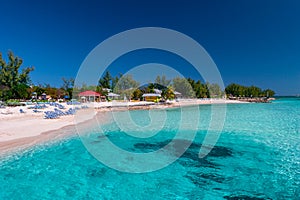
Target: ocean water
[[256, 157]]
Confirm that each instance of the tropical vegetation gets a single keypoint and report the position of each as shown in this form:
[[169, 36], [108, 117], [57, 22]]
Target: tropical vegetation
[[236, 90], [15, 83]]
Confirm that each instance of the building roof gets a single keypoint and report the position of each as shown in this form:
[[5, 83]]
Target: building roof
[[151, 95], [106, 89], [89, 93], [110, 94], [157, 91]]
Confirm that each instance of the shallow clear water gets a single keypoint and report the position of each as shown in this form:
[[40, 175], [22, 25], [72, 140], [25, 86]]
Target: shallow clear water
[[256, 157]]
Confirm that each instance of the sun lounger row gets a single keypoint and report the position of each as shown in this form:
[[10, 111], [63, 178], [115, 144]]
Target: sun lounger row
[[38, 106], [71, 111], [51, 115], [73, 103], [57, 113], [56, 105]]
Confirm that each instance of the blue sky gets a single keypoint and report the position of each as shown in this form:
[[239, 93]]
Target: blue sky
[[252, 42]]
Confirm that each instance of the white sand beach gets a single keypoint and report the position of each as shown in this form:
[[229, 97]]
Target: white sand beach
[[20, 130]]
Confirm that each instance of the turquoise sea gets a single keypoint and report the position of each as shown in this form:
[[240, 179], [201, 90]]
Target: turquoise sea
[[256, 157]]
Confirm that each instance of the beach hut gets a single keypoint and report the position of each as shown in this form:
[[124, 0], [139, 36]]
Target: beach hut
[[34, 95], [151, 97], [89, 96], [44, 96]]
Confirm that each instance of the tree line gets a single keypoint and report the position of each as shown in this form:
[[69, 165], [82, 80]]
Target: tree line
[[16, 84], [236, 90], [188, 88]]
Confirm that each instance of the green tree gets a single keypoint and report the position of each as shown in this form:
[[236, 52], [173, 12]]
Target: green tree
[[237, 90], [192, 82], [126, 86], [214, 90], [201, 90], [68, 85], [268, 93], [52, 91], [162, 81], [205, 91], [254, 91], [104, 82], [115, 81], [184, 87], [39, 90], [11, 79], [168, 93], [137, 94], [151, 86], [21, 91]]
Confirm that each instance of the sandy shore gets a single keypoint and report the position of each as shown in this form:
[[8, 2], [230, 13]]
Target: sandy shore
[[23, 130]]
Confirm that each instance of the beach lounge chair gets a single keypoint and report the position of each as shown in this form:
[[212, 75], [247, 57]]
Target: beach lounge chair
[[71, 111], [59, 112], [61, 106], [51, 115]]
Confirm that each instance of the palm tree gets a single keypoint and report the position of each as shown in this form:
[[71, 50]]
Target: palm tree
[[168, 93]]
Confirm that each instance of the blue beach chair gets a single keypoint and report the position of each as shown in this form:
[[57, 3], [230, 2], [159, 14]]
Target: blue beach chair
[[51, 115]]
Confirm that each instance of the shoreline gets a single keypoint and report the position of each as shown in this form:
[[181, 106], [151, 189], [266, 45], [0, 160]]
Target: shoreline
[[20, 132], [20, 144]]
